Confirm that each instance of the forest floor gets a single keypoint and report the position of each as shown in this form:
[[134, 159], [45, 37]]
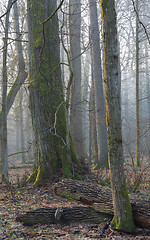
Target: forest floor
[[19, 199]]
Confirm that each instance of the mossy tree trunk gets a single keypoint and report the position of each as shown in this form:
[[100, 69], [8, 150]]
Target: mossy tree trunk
[[52, 156], [122, 208]]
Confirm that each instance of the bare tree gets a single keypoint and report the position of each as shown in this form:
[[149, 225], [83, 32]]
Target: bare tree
[[122, 208], [98, 87]]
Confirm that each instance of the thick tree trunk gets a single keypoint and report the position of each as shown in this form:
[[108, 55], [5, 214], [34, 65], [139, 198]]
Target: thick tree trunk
[[63, 215], [100, 199], [48, 112], [122, 208], [98, 87]]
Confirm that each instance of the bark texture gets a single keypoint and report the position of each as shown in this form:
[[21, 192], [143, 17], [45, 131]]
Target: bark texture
[[98, 87], [48, 112], [3, 130], [75, 50], [63, 215], [100, 199], [21, 76], [122, 209]]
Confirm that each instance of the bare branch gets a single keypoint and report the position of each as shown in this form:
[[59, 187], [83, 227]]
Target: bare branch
[[53, 13], [8, 9], [145, 30]]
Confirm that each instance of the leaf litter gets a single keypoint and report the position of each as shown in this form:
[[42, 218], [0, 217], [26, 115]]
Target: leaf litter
[[30, 198]]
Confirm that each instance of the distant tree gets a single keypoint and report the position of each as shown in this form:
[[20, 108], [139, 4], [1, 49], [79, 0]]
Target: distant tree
[[53, 157], [138, 153], [3, 130], [75, 51], [8, 99], [98, 86], [122, 208]]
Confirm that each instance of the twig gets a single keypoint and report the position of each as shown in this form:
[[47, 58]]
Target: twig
[[12, 154], [8, 9], [141, 22]]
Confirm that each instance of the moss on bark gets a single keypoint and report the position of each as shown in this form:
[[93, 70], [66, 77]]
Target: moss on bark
[[47, 105]]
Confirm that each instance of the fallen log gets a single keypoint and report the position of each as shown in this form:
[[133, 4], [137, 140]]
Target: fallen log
[[63, 215], [100, 199]]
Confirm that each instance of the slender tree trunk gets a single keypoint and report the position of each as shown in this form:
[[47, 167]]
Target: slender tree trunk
[[21, 124], [3, 130], [17, 130], [76, 104], [85, 105], [93, 145], [148, 96], [122, 207], [98, 87], [22, 74], [137, 92]]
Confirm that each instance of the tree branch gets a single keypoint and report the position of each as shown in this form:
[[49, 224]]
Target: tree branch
[[8, 9], [145, 30]]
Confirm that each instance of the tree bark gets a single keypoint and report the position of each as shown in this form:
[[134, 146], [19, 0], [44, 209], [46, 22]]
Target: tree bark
[[138, 140], [75, 50], [22, 74], [98, 87], [3, 130], [122, 209], [63, 215], [100, 199], [48, 112]]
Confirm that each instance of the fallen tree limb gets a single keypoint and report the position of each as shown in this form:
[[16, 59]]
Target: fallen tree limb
[[100, 199], [100, 207], [63, 215]]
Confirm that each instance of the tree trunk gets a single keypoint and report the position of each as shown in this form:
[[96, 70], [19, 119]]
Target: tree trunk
[[137, 93], [100, 199], [22, 74], [93, 145], [52, 157], [122, 208], [98, 87], [3, 130], [21, 124], [63, 215], [75, 49], [85, 104]]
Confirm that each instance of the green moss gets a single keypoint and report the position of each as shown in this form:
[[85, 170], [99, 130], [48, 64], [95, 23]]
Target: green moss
[[104, 5], [107, 119], [127, 222], [45, 79], [78, 177], [32, 177], [67, 174], [74, 156], [90, 176]]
